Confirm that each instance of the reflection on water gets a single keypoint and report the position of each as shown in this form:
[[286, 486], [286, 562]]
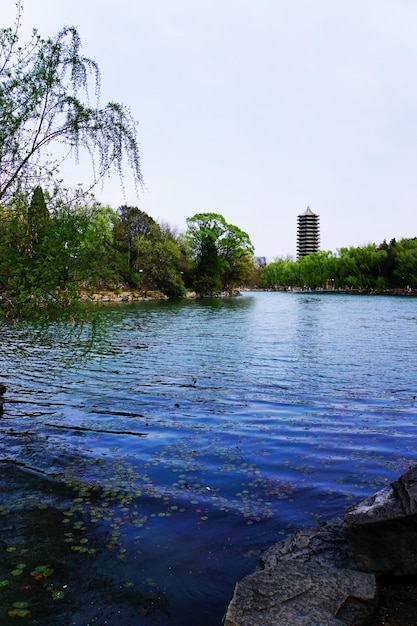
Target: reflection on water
[[192, 436]]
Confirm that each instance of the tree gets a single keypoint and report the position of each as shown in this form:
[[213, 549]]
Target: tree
[[406, 259], [64, 253], [365, 264], [236, 252], [45, 95], [130, 224], [281, 273], [221, 252], [37, 219], [315, 269], [160, 262], [149, 255]]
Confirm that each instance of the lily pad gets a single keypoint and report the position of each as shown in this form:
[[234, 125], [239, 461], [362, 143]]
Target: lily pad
[[16, 572], [20, 605], [19, 613]]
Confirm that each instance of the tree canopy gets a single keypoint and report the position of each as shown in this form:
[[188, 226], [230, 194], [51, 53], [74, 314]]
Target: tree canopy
[[46, 90], [46, 258], [149, 256], [221, 252], [376, 267]]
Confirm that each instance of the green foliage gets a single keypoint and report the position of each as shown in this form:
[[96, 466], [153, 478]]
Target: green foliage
[[53, 245], [45, 96], [221, 252], [129, 225], [160, 262], [405, 270], [47, 257], [56, 247], [148, 256], [387, 266], [367, 264], [281, 272]]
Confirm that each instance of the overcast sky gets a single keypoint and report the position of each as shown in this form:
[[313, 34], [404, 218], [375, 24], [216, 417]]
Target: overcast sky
[[256, 109]]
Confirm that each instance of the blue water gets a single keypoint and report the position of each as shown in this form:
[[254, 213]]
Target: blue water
[[209, 430]]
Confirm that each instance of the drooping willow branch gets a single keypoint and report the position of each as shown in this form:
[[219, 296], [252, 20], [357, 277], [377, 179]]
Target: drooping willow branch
[[49, 96]]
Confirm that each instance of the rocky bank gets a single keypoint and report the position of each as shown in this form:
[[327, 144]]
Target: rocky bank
[[328, 576]]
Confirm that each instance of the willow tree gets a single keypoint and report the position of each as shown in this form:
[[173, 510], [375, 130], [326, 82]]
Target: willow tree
[[50, 97]]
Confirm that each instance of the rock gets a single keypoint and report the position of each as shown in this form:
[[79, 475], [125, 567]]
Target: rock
[[382, 530], [326, 576], [309, 579]]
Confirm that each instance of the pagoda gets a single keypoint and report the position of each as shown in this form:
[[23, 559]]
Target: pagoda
[[308, 233]]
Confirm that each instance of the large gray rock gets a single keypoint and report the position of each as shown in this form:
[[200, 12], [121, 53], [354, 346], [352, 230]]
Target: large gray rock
[[382, 530], [309, 579]]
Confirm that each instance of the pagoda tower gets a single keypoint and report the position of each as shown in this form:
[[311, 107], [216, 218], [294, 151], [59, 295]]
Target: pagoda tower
[[308, 233]]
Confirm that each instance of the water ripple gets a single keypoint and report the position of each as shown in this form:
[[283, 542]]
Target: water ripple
[[223, 424]]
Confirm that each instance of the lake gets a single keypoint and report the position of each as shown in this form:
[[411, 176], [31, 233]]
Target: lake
[[143, 478]]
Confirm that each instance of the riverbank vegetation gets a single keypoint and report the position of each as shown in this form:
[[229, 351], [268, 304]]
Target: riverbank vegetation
[[59, 245], [55, 251], [56, 244], [374, 267]]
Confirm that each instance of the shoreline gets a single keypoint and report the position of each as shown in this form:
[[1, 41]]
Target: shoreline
[[409, 293]]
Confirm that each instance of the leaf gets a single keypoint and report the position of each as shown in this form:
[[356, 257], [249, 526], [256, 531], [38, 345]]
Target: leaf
[[43, 570], [16, 572], [19, 613]]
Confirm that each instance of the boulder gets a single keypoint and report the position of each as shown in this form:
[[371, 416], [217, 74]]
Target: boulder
[[382, 530], [308, 579]]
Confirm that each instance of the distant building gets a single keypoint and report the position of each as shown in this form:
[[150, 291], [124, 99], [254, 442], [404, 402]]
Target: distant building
[[308, 233], [260, 261]]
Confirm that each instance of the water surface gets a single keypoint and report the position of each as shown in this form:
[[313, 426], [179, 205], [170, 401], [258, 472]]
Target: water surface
[[192, 437]]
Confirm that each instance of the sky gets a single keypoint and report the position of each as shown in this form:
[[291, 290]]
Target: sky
[[256, 109]]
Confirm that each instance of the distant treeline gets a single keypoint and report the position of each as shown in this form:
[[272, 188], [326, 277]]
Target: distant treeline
[[390, 265]]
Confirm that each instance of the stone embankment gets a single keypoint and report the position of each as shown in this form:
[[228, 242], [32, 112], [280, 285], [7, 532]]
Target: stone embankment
[[122, 295], [125, 295], [328, 576]]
